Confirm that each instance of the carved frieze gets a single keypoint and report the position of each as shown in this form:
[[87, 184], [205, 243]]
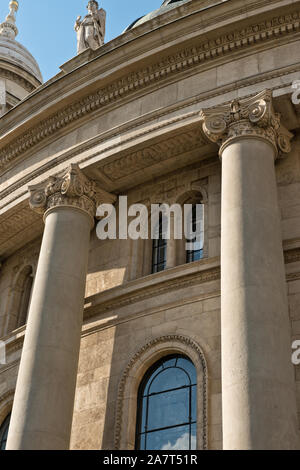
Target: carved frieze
[[151, 155], [184, 59]]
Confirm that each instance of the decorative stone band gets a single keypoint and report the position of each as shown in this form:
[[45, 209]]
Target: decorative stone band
[[72, 189], [252, 117]]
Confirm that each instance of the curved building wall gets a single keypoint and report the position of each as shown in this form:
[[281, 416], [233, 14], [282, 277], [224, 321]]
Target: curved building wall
[[128, 114]]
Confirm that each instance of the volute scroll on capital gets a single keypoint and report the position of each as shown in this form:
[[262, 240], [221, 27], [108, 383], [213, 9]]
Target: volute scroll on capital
[[252, 117], [72, 189]]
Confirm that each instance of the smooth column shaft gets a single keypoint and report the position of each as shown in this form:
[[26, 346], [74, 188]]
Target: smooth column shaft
[[44, 399], [258, 388]]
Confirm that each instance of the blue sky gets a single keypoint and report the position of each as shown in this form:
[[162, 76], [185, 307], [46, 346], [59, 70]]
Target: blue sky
[[46, 26]]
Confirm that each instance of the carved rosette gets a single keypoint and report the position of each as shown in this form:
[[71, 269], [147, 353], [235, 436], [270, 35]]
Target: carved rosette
[[253, 117], [72, 189]]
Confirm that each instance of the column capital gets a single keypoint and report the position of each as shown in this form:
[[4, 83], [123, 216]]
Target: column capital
[[72, 189], [253, 117]]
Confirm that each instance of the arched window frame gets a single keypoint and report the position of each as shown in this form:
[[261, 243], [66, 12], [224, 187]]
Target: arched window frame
[[19, 299], [6, 403], [25, 298], [197, 195], [4, 432], [126, 413], [142, 250], [159, 368]]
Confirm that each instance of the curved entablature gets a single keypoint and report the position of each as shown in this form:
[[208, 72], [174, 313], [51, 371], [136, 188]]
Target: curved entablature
[[127, 121]]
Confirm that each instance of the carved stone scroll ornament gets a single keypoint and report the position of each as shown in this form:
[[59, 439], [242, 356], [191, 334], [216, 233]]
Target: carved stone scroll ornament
[[252, 117], [72, 189]]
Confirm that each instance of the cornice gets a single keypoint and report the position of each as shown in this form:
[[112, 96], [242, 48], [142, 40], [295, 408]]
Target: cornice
[[13, 364], [94, 142], [157, 115], [293, 277], [292, 256], [18, 220], [94, 305], [155, 153], [18, 228], [143, 121], [7, 395], [115, 298], [200, 53]]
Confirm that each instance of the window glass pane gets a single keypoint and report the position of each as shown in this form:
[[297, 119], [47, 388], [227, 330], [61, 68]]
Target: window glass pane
[[194, 437], [3, 433], [189, 367], [143, 422], [168, 379], [170, 439], [161, 254], [170, 363], [168, 409], [4, 440], [167, 406], [159, 247], [195, 224]]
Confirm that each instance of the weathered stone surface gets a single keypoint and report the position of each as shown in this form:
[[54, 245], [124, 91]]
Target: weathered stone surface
[[134, 129]]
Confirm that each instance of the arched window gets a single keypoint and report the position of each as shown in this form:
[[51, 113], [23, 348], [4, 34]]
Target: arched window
[[159, 249], [19, 300], [25, 296], [167, 406], [4, 432], [195, 228]]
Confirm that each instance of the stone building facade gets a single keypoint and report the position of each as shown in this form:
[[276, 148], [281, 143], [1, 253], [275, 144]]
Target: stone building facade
[[192, 102]]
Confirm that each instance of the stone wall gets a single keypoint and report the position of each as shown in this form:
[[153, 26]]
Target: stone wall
[[193, 312]]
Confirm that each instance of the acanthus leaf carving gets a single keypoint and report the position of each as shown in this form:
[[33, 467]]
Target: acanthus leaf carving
[[200, 52], [72, 189], [252, 117]]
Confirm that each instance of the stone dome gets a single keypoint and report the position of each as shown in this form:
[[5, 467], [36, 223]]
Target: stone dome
[[14, 53], [167, 5], [19, 71]]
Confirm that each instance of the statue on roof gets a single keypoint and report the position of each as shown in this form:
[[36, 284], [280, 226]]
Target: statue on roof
[[91, 30]]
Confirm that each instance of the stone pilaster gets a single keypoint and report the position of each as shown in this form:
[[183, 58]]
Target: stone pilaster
[[258, 389], [44, 400]]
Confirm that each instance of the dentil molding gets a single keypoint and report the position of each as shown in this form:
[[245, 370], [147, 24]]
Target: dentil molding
[[201, 52]]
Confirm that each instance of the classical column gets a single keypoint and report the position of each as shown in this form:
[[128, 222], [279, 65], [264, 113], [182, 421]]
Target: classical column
[[43, 405], [258, 387]]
